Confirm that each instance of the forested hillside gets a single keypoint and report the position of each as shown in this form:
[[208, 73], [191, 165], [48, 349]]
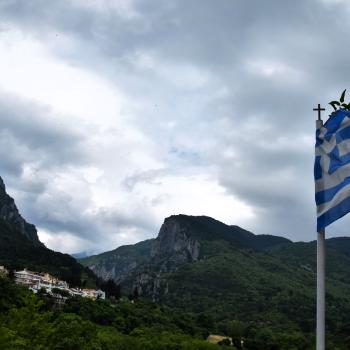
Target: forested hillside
[[29, 322], [20, 247], [198, 277], [224, 273], [17, 252]]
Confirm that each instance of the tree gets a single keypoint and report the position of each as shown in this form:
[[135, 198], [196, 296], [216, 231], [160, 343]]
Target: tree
[[225, 342], [71, 332], [63, 293], [111, 289], [135, 293]]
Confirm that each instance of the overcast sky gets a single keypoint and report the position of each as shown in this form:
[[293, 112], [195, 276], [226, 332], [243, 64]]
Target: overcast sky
[[116, 114]]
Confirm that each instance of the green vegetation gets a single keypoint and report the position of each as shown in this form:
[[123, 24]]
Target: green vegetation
[[17, 252], [260, 288], [270, 292], [30, 322], [340, 104], [122, 259]]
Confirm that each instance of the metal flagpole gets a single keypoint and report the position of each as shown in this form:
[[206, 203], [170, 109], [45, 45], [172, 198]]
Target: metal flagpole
[[321, 290], [321, 308]]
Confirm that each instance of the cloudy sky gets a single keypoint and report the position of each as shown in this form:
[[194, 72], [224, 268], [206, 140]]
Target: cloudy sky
[[118, 113]]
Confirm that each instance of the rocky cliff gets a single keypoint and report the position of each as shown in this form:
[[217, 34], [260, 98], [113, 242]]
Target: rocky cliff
[[121, 262], [175, 242], [182, 240], [10, 214], [173, 247]]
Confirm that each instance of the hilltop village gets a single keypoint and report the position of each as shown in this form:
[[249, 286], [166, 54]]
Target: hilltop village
[[36, 281]]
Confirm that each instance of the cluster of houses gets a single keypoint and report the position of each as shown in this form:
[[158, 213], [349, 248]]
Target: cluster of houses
[[36, 281]]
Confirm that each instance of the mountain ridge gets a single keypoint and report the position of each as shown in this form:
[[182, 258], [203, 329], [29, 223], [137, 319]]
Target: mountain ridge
[[215, 272], [180, 237], [10, 214], [202, 266], [21, 248]]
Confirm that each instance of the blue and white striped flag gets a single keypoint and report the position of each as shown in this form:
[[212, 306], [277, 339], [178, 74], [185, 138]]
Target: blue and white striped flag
[[332, 168]]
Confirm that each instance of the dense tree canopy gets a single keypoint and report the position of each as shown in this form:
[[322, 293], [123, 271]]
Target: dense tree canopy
[[30, 322]]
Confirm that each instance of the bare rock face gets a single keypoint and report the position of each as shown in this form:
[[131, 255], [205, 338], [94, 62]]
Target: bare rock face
[[175, 241], [9, 213], [145, 265], [119, 263], [115, 272], [174, 246]]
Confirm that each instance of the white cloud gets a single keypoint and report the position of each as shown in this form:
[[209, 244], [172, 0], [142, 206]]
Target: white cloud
[[122, 7], [184, 76], [196, 195], [124, 112], [275, 70], [29, 70], [63, 241]]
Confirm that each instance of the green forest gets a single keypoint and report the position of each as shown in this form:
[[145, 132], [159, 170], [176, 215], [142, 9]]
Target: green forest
[[257, 290], [262, 299], [29, 321], [17, 252]]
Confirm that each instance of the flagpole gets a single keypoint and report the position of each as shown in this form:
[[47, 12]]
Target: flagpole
[[321, 259], [321, 308]]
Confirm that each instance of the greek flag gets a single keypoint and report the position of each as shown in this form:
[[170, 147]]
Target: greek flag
[[332, 168]]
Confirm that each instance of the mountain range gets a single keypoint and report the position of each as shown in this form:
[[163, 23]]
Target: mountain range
[[21, 248], [200, 265]]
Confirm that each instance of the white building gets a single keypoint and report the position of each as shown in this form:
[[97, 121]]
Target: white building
[[93, 293], [3, 270], [27, 278], [36, 281]]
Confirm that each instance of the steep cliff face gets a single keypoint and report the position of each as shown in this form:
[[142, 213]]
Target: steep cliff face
[[174, 247], [183, 241], [144, 264], [175, 242], [9, 213], [20, 248], [119, 263]]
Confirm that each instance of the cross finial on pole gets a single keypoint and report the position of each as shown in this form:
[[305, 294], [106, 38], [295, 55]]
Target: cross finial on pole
[[321, 290], [319, 109]]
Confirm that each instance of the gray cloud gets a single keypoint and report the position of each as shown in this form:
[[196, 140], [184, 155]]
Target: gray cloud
[[224, 89], [31, 138], [33, 134], [150, 177]]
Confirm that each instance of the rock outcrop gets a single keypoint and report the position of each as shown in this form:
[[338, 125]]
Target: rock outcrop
[[175, 246], [182, 240], [10, 214], [143, 265], [175, 241], [119, 263]]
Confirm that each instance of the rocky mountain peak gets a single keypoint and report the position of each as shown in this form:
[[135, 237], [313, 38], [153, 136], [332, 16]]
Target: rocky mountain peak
[[10, 214], [174, 239], [2, 185]]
